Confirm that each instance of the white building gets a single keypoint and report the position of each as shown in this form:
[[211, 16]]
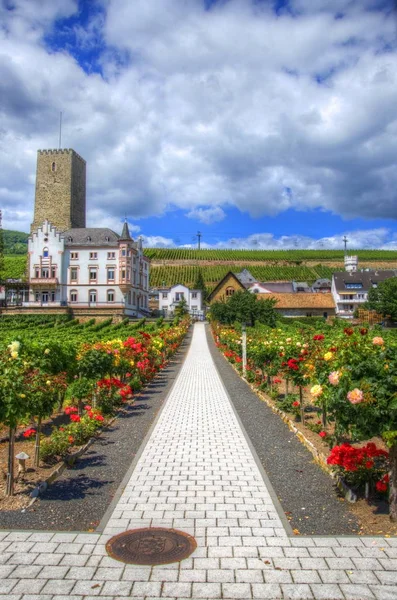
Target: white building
[[350, 288], [169, 299], [87, 268]]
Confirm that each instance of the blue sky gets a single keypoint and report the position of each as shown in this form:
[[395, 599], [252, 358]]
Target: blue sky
[[258, 123]]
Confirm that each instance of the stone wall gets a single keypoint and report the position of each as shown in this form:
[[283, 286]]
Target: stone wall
[[60, 189]]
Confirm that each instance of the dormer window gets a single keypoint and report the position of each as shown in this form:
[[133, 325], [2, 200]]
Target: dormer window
[[107, 238], [88, 238], [70, 239]]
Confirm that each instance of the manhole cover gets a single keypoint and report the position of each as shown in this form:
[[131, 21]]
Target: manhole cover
[[151, 546]]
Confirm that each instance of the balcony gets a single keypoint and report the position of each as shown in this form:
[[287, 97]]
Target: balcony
[[47, 282]]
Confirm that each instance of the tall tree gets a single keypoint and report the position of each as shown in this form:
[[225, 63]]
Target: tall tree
[[200, 285], [383, 299]]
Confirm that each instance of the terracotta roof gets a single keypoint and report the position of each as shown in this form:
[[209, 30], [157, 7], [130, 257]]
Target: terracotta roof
[[301, 300]]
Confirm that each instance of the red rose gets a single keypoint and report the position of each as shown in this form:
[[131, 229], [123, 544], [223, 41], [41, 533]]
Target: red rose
[[322, 434], [381, 486]]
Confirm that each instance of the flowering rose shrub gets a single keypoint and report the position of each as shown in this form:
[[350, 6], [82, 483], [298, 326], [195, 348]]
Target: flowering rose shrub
[[354, 368], [359, 465]]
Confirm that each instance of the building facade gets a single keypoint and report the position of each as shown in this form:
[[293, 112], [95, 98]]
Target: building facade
[[88, 268], [350, 288], [170, 297]]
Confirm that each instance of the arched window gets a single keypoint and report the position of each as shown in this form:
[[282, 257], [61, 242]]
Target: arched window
[[53, 167], [92, 296], [70, 239], [45, 252], [73, 295], [110, 295], [230, 291]]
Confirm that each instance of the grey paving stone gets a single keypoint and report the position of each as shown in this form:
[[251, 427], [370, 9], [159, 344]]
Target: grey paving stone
[[357, 592], [296, 591], [29, 586], [235, 590], [383, 592], [305, 576], [174, 590], [206, 590], [326, 591]]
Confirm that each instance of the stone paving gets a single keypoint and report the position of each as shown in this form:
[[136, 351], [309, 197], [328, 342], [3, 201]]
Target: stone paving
[[198, 474]]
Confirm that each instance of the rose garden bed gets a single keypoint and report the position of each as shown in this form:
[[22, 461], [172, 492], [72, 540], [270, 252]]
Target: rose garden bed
[[271, 377]]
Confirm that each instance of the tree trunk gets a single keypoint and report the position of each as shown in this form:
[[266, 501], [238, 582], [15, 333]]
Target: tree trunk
[[10, 474], [393, 483], [36, 461], [286, 386], [301, 405], [324, 412]]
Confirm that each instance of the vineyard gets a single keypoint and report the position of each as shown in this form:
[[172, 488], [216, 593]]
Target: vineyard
[[158, 254], [168, 275]]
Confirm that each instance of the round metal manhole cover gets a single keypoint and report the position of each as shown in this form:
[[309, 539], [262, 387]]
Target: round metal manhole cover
[[151, 546]]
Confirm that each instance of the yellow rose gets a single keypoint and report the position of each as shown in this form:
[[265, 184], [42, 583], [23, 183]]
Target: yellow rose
[[22, 395], [48, 382], [328, 356], [14, 354], [316, 391]]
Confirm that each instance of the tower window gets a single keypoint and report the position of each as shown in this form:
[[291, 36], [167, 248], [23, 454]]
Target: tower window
[[45, 252], [53, 167]]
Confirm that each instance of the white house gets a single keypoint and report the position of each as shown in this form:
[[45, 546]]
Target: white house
[[87, 268], [170, 297], [350, 288]]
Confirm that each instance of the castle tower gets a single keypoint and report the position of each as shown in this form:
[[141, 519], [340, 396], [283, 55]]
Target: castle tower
[[60, 189], [351, 263]]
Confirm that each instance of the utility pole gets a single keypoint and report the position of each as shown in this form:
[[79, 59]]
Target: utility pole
[[345, 240], [199, 234]]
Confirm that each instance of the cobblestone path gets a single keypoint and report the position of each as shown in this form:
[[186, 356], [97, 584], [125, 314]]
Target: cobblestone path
[[197, 474]]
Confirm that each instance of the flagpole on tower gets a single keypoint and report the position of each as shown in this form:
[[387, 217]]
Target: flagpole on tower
[[60, 130]]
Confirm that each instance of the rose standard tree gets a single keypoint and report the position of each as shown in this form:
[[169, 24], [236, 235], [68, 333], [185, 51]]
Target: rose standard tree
[[13, 405]]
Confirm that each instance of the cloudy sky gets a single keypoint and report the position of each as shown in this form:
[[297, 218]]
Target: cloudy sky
[[259, 123]]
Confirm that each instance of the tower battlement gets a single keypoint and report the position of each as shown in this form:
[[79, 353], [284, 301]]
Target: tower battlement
[[57, 151], [60, 189]]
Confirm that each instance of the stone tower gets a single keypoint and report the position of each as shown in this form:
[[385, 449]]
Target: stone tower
[[60, 189]]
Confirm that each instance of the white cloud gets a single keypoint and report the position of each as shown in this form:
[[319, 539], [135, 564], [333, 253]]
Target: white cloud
[[207, 215], [381, 238], [198, 104]]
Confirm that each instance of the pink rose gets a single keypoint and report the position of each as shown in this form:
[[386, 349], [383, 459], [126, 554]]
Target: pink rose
[[355, 396]]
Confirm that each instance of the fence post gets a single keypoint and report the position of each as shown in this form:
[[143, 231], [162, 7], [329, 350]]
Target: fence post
[[244, 347]]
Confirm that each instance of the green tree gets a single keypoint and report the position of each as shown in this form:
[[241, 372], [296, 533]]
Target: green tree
[[181, 308], [383, 299], [245, 307], [199, 284]]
